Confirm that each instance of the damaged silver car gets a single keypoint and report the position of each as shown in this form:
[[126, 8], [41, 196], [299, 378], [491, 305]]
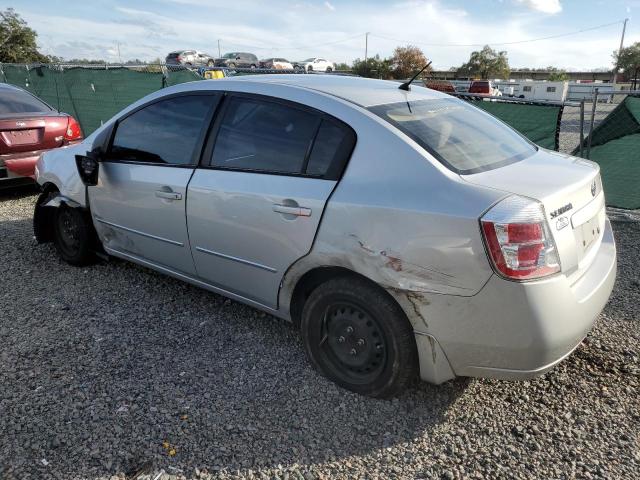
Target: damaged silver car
[[404, 231]]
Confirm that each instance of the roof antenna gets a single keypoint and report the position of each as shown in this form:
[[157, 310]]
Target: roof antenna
[[406, 85]]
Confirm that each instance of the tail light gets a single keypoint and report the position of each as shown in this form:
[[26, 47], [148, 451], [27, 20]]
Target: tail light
[[73, 132], [518, 239]]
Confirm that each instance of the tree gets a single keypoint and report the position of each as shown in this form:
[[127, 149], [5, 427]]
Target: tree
[[374, 67], [557, 75], [17, 40], [407, 61], [629, 61], [342, 67], [486, 63]]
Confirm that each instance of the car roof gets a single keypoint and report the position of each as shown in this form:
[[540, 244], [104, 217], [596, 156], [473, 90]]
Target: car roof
[[365, 92]]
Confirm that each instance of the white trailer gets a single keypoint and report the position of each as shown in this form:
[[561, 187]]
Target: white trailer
[[543, 91]]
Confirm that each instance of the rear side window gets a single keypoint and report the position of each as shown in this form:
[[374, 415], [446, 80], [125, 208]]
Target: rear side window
[[166, 132], [332, 147], [18, 101], [264, 136], [461, 136]]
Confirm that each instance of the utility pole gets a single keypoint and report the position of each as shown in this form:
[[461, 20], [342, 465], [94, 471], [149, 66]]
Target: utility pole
[[615, 74], [366, 46], [119, 57], [219, 54]]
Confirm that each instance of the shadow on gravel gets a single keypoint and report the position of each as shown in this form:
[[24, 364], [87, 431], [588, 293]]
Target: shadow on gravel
[[114, 368]]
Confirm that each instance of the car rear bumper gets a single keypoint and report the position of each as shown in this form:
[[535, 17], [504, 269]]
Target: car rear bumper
[[19, 164], [513, 330]]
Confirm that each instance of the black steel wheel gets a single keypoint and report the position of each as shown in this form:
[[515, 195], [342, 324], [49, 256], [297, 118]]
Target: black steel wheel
[[74, 237], [357, 336]]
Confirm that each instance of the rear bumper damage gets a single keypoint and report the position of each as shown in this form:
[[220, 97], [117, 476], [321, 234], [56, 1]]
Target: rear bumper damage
[[511, 330]]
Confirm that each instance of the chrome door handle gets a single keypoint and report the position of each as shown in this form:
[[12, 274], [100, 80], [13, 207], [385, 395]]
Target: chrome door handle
[[168, 195], [290, 210]]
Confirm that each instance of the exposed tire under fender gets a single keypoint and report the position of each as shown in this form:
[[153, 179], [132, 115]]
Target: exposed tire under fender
[[74, 236], [359, 337]]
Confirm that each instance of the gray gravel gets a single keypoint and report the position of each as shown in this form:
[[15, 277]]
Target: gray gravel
[[113, 369]]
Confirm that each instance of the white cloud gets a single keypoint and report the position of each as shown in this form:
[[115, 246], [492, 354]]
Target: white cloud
[[544, 6], [284, 31], [329, 6]]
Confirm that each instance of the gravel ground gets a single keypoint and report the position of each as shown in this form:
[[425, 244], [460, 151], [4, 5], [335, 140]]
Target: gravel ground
[[111, 370]]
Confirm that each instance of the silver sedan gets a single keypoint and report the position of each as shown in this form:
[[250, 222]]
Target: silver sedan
[[405, 232]]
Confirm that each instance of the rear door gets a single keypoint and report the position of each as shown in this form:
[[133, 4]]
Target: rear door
[[139, 202], [256, 203]]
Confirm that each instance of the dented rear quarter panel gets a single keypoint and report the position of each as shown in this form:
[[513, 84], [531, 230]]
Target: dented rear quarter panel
[[401, 219]]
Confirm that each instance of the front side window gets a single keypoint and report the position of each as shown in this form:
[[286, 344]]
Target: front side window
[[551, 89], [459, 135], [526, 88], [166, 132], [264, 136]]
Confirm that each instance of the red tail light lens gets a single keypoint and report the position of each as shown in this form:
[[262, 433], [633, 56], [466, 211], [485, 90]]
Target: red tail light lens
[[74, 132], [518, 239]]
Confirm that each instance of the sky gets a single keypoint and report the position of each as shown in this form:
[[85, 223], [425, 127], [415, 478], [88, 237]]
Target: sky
[[446, 31]]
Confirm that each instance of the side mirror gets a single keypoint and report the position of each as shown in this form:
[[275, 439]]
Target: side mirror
[[88, 167]]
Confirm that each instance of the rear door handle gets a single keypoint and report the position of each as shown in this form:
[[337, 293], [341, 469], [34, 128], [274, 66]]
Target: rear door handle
[[291, 210], [168, 195]]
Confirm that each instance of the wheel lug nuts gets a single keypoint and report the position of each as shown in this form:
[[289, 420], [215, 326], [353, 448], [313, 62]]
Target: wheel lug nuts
[[341, 339], [349, 329], [353, 351], [361, 341]]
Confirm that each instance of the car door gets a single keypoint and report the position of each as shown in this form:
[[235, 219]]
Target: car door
[[138, 204], [257, 200]]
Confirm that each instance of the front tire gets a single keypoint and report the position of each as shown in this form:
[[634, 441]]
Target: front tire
[[73, 236], [358, 337]]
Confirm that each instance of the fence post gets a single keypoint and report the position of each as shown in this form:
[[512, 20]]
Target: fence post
[[593, 117], [581, 127]]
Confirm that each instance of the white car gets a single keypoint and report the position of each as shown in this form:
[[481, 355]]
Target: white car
[[403, 231], [316, 65]]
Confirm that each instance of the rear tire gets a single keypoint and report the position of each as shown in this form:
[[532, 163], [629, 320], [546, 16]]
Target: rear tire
[[73, 236], [359, 338], [329, 69]]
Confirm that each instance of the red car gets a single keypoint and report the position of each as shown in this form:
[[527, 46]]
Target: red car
[[29, 127]]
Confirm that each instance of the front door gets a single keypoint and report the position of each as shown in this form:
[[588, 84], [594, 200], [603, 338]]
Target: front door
[[255, 206], [138, 205]]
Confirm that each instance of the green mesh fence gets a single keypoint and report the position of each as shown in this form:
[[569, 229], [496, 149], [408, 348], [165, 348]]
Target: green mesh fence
[[93, 95], [540, 123], [615, 146]]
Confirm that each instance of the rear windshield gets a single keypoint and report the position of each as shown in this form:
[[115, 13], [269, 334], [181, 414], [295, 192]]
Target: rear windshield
[[461, 136], [18, 101]]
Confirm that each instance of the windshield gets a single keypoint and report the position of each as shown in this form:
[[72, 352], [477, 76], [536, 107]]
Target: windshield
[[309, 60], [229, 55], [461, 136]]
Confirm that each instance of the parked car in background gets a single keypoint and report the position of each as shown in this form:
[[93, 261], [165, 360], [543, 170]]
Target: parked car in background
[[404, 232], [29, 127], [484, 87], [276, 64], [440, 85], [237, 60], [315, 64], [190, 58]]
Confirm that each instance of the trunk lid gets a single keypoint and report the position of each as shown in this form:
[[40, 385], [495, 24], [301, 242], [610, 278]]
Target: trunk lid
[[29, 132], [570, 190]]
